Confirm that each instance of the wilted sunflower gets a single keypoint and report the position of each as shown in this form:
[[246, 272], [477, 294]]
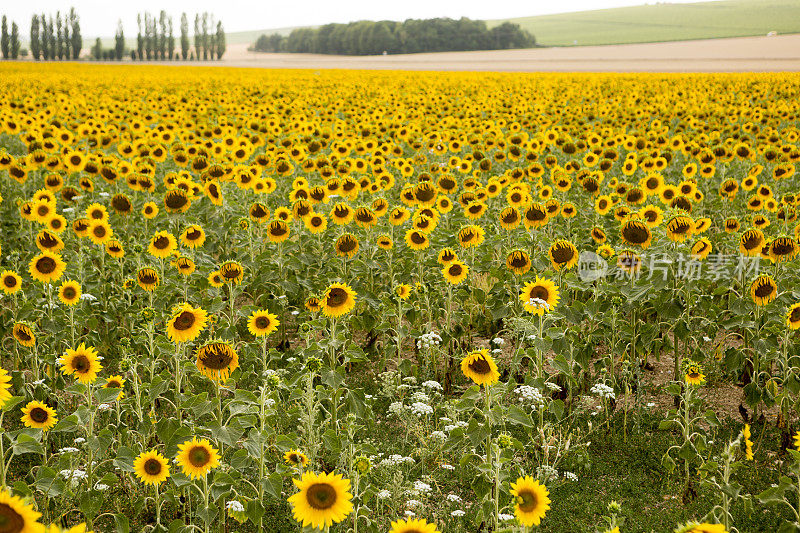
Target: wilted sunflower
[[295, 458], [509, 218], [598, 235], [563, 254], [680, 227], [793, 316], [197, 457], [532, 501], [519, 262], [732, 225], [193, 236], [338, 299], [151, 467], [535, 292], [82, 362], [10, 282], [278, 231], [384, 242], [231, 272], [258, 212], [535, 216], [186, 323], [448, 255], [69, 292], [313, 304], [694, 375], [701, 225], [701, 249], [177, 201], [184, 265], [346, 245], [18, 517], [480, 367], [629, 261], [38, 415], [147, 278], [751, 242], [783, 249], [162, 245], [48, 241], [470, 236], [262, 323], [416, 240], [217, 359], [23, 334], [114, 249], [636, 233], [763, 290], [412, 525], [47, 267], [324, 499], [455, 272]]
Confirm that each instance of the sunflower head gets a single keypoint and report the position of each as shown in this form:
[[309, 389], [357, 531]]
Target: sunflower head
[[694, 374], [518, 262], [403, 291], [217, 359], [539, 296], [151, 467], [455, 272], [186, 323], [23, 334], [531, 501], [69, 292], [147, 278], [82, 362], [322, 500], [197, 457], [231, 272], [295, 458], [338, 299], [480, 367], [563, 254], [262, 323], [763, 290], [793, 316], [18, 517], [38, 415]]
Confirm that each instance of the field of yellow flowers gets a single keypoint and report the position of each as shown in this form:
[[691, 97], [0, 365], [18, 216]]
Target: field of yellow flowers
[[253, 300]]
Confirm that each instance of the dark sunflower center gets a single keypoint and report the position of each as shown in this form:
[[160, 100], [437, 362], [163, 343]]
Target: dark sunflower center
[[794, 316], [69, 293], [216, 356], [455, 270], [99, 231], [341, 212], [518, 261], [81, 364], [161, 243], [75, 160], [467, 236], [764, 290], [529, 501], [39, 416], [652, 184], [336, 297], [10, 520], [321, 496], [10, 281], [480, 366], [96, 214], [258, 211], [153, 467], [680, 226], [563, 254], [540, 292], [121, 203], [43, 210], [193, 234], [46, 265], [425, 194], [278, 230], [535, 215], [231, 272], [635, 233], [510, 217], [262, 322], [23, 335], [48, 240], [199, 456], [417, 238], [184, 321], [148, 278], [782, 246]]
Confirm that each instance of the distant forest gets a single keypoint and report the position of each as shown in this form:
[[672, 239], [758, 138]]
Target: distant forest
[[409, 37]]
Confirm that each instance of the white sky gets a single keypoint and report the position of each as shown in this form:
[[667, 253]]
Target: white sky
[[99, 17]]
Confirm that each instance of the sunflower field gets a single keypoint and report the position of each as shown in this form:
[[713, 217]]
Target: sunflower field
[[252, 300]]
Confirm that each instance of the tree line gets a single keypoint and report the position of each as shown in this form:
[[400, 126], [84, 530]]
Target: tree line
[[9, 42], [408, 37], [53, 39]]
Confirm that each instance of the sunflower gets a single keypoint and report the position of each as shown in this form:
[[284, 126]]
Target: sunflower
[[97, 212], [324, 499], [636, 233], [540, 289], [603, 204], [186, 323], [783, 249], [411, 525], [147, 278], [535, 216], [5, 387], [10, 282], [114, 249], [701, 249], [48, 241], [313, 304], [47, 267], [193, 237], [346, 245], [629, 261], [177, 201], [793, 316], [694, 375], [82, 362], [652, 215], [215, 279], [697, 527], [403, 291], [509, 218], [763, 290], [16, 516], [99, 232], [598, 235], [150, 210], [278, 231], [231, 272], [448, 255], [680, 227], [532, 501], [338, 299], [470, 236], [480, 367], [151, 467], [295, 458], [519, 262], [115, 382], [605, 251], [455, 272], [184, 265], [701, 225], [384, 242], [197, 457], [262, 323], [23, 334], [69, 292], [38, 415], [751, 242], [217, 359], [563, 254], [162, 245], [416, 240]]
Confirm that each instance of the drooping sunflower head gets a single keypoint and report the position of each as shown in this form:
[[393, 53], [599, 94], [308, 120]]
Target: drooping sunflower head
[[186, 323], [18, 517], [197, 457], [519, 262], [763, 290], [38, 415], [151, 467], [793, 316], [701, 249], [751, 242], [121, 204], [346, 245], [417, 240], [278, 231], [217, 359], [82, 362], [535, 216], [479, 366], [23, 334], [455, 272], [470, 236], [532, 501], [262, 323], [539, 296], [783, 249], [384, 242], [694, 374], [231, 272], [446, 256], [313, 304], [563, 254], [69, 292], [147, 278], [162, 245], [636, 233], [47, 241], [193, 236], [185, 265], [177, 201], [680, 227], [324, 499], [338, 300]]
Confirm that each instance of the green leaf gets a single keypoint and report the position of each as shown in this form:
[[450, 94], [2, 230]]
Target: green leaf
[[515, 414]]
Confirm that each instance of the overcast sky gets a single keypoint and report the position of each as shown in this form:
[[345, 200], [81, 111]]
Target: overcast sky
[[99, 17]]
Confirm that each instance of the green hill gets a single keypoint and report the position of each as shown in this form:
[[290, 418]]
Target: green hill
[[663, 22]]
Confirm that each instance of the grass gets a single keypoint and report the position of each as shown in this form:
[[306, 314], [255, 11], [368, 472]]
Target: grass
[[663, 22]]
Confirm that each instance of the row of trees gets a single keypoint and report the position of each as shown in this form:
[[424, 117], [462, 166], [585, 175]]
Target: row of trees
[[156, 41], [9, 42], [409, 37], [56, 39]]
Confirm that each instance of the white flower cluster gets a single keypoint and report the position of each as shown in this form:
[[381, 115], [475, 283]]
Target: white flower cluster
[[68, 449], [455, 498], [460, 424], [603, 390], [448, 467], [396, 460], [433, 385], [383, 494], [552, 386], [396, 408], [569, 476], [458, 513], [420, 396], [413, 504], [438, 435], [546, 473], [529, 394], [428, 340], [421, 409], [74, 476], [538, 303], [100, 486], [422, 487], [504, 517], [235, 506], [499, 341]]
